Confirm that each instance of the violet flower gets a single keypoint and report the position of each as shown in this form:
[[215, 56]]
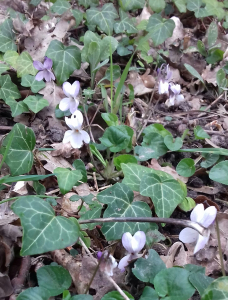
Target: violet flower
[[175, 98], [203, 217], [76, 135], [45, 70], [107, 263], [133, 245], [71, 102]]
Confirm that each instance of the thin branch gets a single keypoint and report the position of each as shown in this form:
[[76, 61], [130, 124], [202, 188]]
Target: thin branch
[[220, 248], [117, 288], [186, 223]]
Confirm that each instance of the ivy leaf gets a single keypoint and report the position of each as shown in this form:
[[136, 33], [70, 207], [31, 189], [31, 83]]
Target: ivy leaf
[[55, 279], [25, 65], [125, 24], [65, 59], [119, 199], [3, 68], [131, 4], [134, 173], [157, 6], [165, 194], [8, 89], [17, 108], [124, 158], [103, 18], [216, 290], [19, 157], [10, 57], [159, 29], [181, 5], [77, 15], [7, 36], [60, 7], [195, 6], [146, 269], [91, 214], [67, 178], [42, 230], [35, 103], [30, 81], [87, 3], [35, 2], [149, 294]]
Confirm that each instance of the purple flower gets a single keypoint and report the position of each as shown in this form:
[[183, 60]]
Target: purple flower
[[45, 70], [205, 218], [107, 263], [71, 102], [133, 245]]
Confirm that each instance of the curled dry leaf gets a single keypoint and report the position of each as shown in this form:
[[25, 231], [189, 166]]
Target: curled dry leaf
[[155, 165], [178, 32], [176, 256], [53, 162], [137, 82], [148, 80], [65, 150]]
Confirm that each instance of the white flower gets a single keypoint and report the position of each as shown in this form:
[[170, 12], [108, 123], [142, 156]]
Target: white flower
[[175, 98], [71, 102], [133, 245], [164, 76], [203, 217], [107, 263], [163, 87], [76, 135]]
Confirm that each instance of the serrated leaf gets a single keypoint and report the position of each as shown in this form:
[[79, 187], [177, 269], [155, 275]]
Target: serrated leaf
[[17, 108], [134, 173], [30, 81], [87, 3], [42, 230], [103, 18], [10, 57], [67, 178], [60, 6], [20, 157], [125, 24], [131, 4], [65, 59], [119, 199], [24, 65], [7, 36], [35, 103], [55, 279], [35, 293], [8, 89], [159, 30], [165, 194]]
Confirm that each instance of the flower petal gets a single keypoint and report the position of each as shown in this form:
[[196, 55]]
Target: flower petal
[[77, 120], [124, 262], [163, 87], [67, 136], [201, 242], [75, 89], [208, 216], [138, 241], [47, 75], [170, 102], [85, 136], [67, 89], [69, 123], [175, 88], [64, 104], [38, 65], [179, 99], [73, 105], [39, 76], [188, 235], [127, 242], [197, 213], [76, 140], [47, 63]]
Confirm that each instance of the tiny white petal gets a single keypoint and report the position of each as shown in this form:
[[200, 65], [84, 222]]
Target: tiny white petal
[[208, 216], [69, 123], [64, 104], [138, 241], [201, 242], [75, 89], [163, 87], [179, 99], [123, 263], [171, 101], [85, 136], [77, 120], [197, 213], [67, 89], [188, 235], [76, 140], [175, 88], [67, 136], [73, 105], [127, 242]]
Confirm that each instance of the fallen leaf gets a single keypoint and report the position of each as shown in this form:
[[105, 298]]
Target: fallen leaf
[[136, 81], [65, 150], [176, 256], [53, 162], [205, 189], [178, 32], [210, 75]]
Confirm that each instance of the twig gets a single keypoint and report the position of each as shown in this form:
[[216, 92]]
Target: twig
[[117, 288], [87, 250], [19, 280], [220, 248], [185, 223], [209, 106], [98, 107]]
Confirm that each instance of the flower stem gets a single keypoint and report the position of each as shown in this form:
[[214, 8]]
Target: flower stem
[[117, 288], [220, 248]]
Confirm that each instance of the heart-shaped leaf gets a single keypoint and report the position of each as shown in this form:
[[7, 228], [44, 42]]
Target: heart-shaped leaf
[[200, 134], [30, 81], [157, 6], [7, 36], [67, 178], [157, 128], [10, 57], [217, 290], [119, 199], [77, 15], [173, 144], [159, 30], [134, 173], [132, 4], [125, 24], [36, 103], [3, 68], [200, 281], [91, 214], [149, 294], [124, 158], [34, 293], [210, 159], [60, 6], [65, 59], [181, 5], [55, 279], [17, 108], [24, 65], [110, 119], [42, 230], [186, 167], [165, 194], [103, 18], [19, 157], [219, 172], [8, 89]]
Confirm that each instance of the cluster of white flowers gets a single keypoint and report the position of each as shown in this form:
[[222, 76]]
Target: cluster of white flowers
[[165, 86], [76, 135]]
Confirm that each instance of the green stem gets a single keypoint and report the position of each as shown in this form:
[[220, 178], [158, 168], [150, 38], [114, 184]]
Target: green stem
[[220, 248]]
